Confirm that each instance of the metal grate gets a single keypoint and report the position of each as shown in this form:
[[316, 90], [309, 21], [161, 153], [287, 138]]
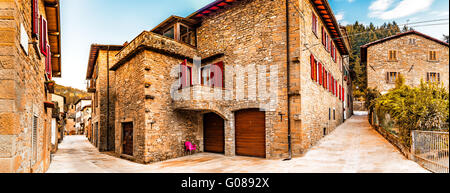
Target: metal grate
[[34, 138], [430, 150]]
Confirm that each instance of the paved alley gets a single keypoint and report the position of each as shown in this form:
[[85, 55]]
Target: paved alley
[[352, 148]]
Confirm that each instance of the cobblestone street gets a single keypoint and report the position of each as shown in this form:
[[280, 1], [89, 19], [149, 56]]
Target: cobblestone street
[[352, 148]]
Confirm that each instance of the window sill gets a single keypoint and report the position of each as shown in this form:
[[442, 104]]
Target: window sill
[[392, 61], [434, 61]]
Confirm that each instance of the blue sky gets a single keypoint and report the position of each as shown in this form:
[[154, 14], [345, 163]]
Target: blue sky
[[84, 22]]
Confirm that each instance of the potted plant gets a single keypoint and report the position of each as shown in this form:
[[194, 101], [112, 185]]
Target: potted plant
[[50, 86]]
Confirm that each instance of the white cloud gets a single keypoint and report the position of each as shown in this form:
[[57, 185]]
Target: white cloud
[[381, 5], [339, 16], [380, 8], [351, 1]]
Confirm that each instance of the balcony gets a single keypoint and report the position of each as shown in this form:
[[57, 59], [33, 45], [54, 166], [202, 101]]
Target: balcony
[[91, 86], [199, 98]]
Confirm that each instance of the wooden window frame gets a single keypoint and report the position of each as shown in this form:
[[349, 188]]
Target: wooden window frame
[[389, 76], [432, 56], [393, 55], [433, 77]]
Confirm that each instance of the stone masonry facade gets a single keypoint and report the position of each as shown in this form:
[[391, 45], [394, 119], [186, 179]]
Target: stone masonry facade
[[103, 133], [22, 93], [244, 34], [412, 62]]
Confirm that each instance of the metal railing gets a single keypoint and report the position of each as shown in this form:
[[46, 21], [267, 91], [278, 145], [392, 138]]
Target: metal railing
[[430, 150]]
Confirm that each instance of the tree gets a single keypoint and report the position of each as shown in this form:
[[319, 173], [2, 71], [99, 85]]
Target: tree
[[359, 35], [446, 38]]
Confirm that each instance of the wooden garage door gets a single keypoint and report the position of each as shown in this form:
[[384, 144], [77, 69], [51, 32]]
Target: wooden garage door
[[213, 133], [250, 132]]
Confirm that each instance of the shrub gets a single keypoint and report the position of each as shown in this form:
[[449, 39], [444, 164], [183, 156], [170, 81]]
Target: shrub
[[422, 108]]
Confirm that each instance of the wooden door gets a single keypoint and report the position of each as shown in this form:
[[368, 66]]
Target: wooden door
[[250, 131], [213, 133], [127, 140]]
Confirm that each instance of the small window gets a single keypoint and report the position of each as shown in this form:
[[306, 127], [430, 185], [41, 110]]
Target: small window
[[432, 56], [391, 77], [170, 33], [433, 77], [412, 41], [314, 23], [392, 55]]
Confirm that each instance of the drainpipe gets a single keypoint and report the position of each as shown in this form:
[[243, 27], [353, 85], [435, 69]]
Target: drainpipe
[[288, 63], [107, 100]]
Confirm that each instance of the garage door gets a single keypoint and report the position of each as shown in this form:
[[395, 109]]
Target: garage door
[[213, 133], [250, 129]]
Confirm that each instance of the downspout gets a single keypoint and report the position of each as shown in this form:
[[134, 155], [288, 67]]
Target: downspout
[[107, 100], [288, 71]]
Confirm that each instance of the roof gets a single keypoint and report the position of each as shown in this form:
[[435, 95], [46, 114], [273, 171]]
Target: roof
[[326, 13], [322, 7], [54, 31], [93, 55], [83, 99], [364, 47]]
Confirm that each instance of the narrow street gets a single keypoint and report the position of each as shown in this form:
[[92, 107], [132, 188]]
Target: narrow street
[[352, 148]]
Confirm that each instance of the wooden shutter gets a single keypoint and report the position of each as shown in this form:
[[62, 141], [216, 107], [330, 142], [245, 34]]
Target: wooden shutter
[[343, 94], [217, 75], [314, 23], [183, 74], [320, 73], [323, 37], [43, 36], [312, 66], [35, 18], [48, 63]]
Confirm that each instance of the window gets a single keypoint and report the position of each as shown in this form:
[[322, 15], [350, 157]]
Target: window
[[324, 39], [186, 34], [391, 77], [432, 56], [433, 77], [412, 41], [314, 23], [170, 33], [392, 55]]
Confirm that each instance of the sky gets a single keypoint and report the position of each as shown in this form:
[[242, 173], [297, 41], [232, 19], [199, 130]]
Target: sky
[[85, 22]]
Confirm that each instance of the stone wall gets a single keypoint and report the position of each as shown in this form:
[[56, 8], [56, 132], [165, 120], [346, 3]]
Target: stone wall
[[22, 93], [412, 62], [247, 34], [99, 112]]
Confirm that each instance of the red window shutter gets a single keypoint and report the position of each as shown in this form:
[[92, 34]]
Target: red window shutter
[[183, 74], [317, 71], [343, 94], [332, 84], [43, 36], [312, 66], [217, 75], [48, 63], [320, 73], [35, 18], [323, 36], [314, 26]]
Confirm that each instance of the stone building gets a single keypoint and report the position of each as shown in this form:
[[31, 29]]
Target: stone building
[[238, 77], [101, 86], [79, 114], [70, 121], [413, 55], [30, 54]]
